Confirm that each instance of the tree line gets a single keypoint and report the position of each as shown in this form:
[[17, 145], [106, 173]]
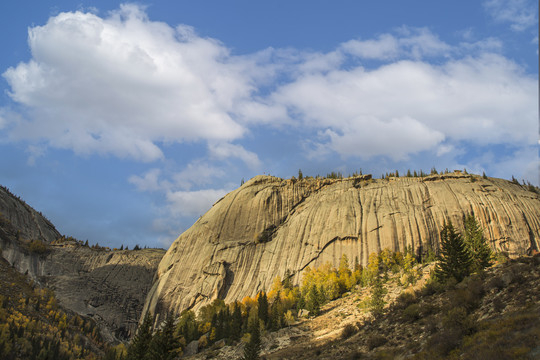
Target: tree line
[[247, 320]]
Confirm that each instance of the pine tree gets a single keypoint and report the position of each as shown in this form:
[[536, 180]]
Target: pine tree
[[313, 300], [164, 344], [263, 308], [377, 297], [141, 341], [476, 244], [253, 346], [187, 326], [276, 314], [236, 323], [454, 259], [287, 280]]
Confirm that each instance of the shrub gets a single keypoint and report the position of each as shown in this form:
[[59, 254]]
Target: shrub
[[405, 299], [502, 257], [433, 286], [348, 331], [458, 319], [374, 341], [469, 297], [495, 283], [37, 247], [411, 313]]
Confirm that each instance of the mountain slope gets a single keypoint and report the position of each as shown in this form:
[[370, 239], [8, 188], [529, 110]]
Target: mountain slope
[[109, 286], [270, 226], [33, 325]]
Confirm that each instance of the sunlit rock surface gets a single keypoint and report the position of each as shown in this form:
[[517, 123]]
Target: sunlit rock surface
[[269, 226]]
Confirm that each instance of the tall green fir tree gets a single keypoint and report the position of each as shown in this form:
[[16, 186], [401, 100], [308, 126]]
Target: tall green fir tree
[[236, 323], [313, 300], [475, 241], [263, 308], [253, 346], [141, 342], [165, 344], [454, 259], [377, 301]]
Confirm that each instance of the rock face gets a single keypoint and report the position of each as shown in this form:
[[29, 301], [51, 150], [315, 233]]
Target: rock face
[[109, 286], [269, 226], [28, 222]]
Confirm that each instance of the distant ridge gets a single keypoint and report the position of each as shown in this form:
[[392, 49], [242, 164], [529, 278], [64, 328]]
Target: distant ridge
[[108, 286]]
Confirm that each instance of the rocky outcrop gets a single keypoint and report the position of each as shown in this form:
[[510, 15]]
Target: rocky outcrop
[[29, 223], [109, 286], [269, 226]]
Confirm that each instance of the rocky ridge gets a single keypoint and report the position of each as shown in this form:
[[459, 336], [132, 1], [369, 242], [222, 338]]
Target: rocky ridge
[[270, 226], [109, 286]]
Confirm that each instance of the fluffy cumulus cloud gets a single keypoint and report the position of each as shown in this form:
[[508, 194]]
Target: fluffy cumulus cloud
[[123, 84], [126, 85], [407, 106]]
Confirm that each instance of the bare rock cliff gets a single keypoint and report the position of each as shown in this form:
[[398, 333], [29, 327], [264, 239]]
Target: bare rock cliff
[[109, 286], [270, 225]]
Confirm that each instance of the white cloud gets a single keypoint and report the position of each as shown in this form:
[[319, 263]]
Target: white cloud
[[193, 203], [521, 14], [149, 181], [412, 42], [396, 138], [485, 99], [222, 151], [125, 85], [121, 85], [197, 174]]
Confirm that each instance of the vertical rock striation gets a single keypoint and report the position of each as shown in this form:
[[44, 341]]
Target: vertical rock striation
[[270, 225]]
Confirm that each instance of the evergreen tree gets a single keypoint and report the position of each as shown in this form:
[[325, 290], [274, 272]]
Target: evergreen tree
[[141, 341], [476, 244], [187, 326], [263, 307], [287, 280], [454, 259], [164, 344], [377, 297], [236, 323], [313, 303], [276, 314], [253, 346]]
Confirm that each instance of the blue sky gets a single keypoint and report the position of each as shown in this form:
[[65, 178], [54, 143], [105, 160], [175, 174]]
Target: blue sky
[[124, 122]]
